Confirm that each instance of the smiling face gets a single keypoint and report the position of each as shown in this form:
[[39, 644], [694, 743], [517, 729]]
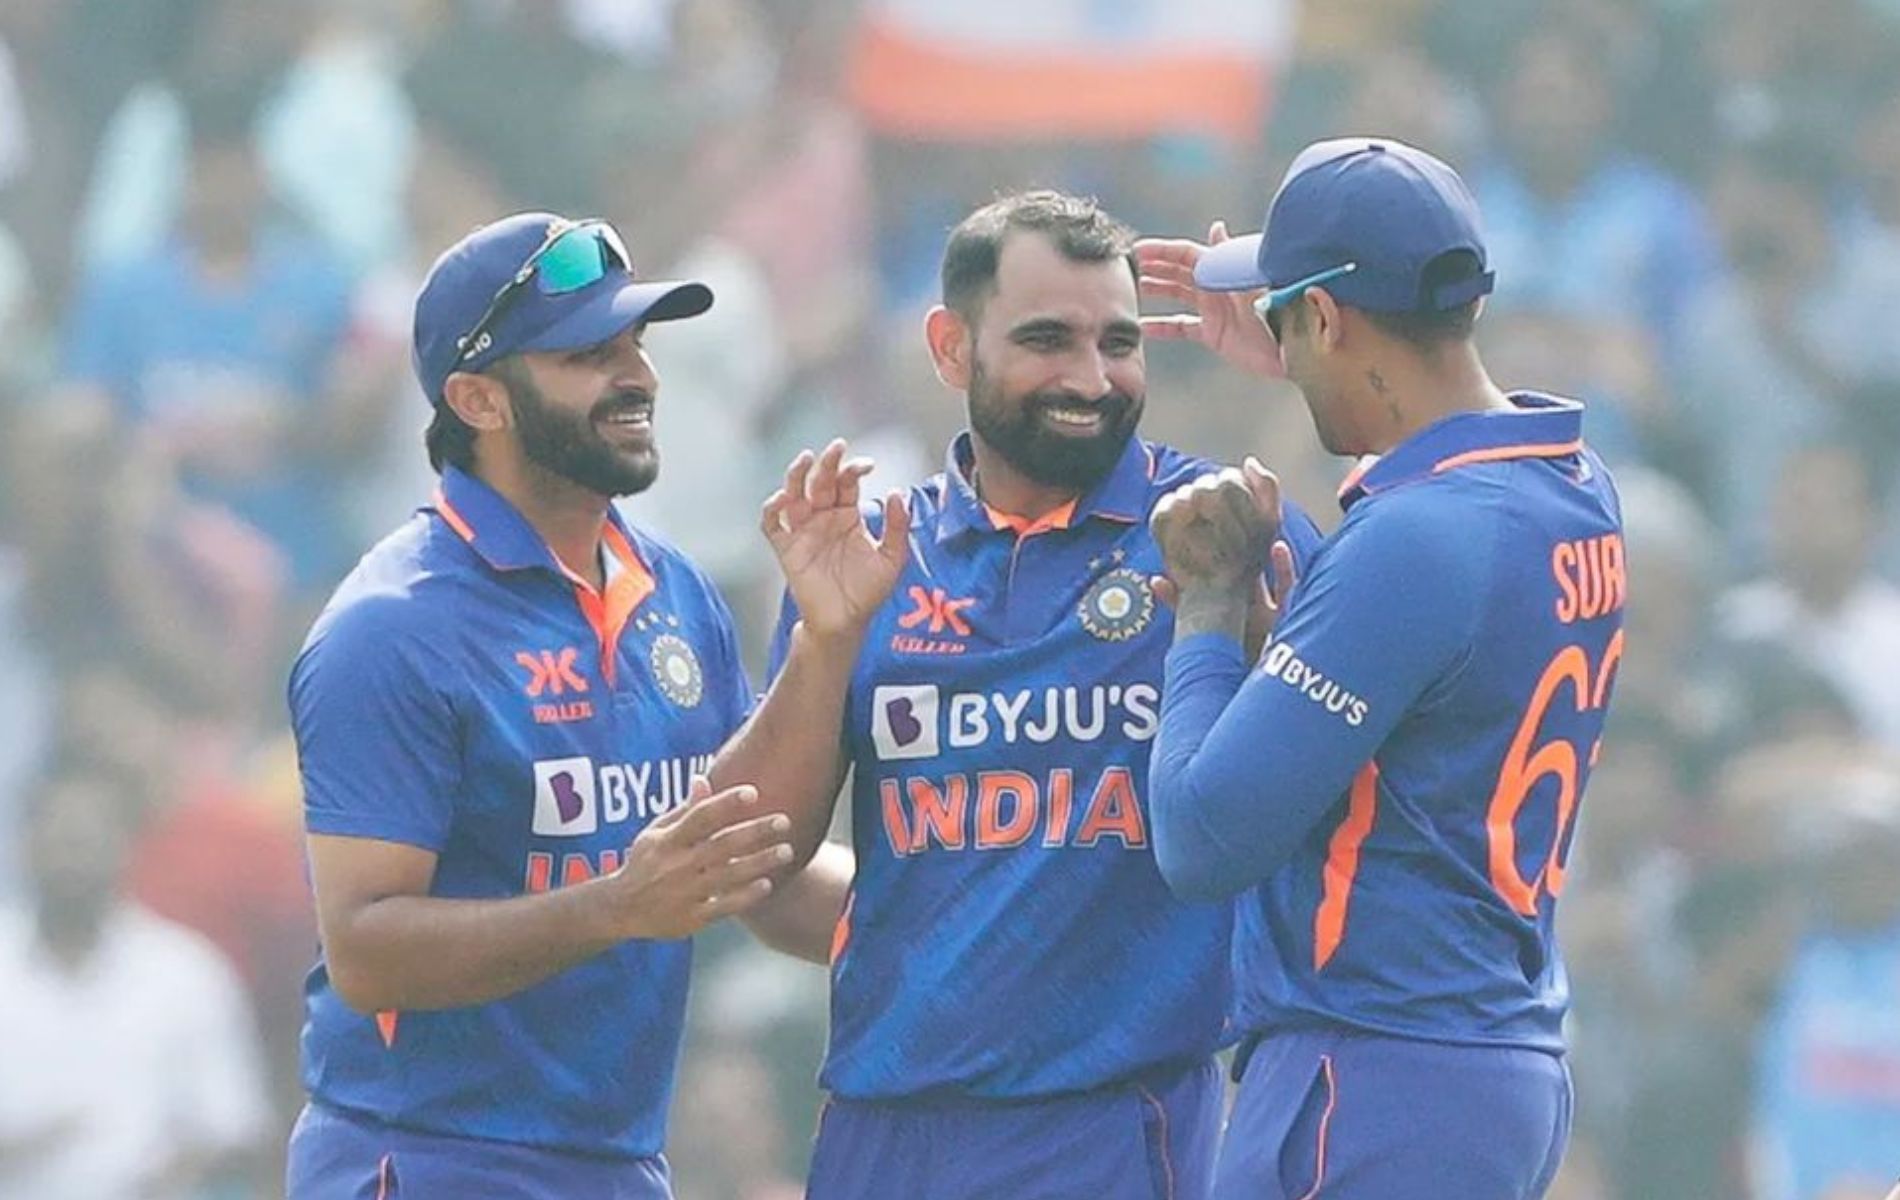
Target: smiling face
[[587, 415], [1056, 379]]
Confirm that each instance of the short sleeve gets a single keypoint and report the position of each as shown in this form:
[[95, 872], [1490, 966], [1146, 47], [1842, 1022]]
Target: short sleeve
[[378, 740]]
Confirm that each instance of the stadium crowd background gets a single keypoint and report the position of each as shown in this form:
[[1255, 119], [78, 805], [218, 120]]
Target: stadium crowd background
[[213, 217]]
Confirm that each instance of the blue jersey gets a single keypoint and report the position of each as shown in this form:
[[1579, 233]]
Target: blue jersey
[[464, 693], [1008, 934], [1397, 779]]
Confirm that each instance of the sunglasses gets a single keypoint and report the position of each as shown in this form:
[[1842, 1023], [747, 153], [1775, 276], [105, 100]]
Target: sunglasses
[[1271, 303], [574, 255]]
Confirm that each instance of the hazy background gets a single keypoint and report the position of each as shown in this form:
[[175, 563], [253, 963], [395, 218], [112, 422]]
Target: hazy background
[[213, 218]]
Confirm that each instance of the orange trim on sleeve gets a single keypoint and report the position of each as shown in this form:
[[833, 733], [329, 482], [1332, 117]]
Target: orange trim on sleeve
[[382, 1179], [1055, 518], [911, 86], [386, 1026], [1501, 453], [1342, 865]]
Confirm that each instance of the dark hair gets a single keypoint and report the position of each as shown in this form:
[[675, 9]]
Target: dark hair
[[450, 440], [1428, 327], [1077, 225]]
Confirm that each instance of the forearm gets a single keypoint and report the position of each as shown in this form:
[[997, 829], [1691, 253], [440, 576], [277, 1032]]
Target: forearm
[[1201, 680], [1244, 767], [801, 917], [425, 952], [791, 748]]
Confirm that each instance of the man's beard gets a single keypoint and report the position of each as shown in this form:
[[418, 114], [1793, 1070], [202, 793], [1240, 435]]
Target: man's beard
[[1016, 430], [572, 447]]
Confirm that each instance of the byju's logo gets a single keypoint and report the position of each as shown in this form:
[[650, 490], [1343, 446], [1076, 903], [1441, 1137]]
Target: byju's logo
[[565, 802], [904, 721]]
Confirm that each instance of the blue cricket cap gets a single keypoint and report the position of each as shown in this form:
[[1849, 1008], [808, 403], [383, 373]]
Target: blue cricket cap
[[1365, 218], [466, 280]]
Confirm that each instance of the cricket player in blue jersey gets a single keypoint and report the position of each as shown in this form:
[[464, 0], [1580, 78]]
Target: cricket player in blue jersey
[[1019, 1007], [1394, 783], [502, 719]]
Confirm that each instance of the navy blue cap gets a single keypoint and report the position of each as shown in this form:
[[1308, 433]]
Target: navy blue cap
[[463, 283], [1371, 214]]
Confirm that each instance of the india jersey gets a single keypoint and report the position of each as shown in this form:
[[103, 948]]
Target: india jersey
[[464, 693], [1008, 934], [1397, 779]]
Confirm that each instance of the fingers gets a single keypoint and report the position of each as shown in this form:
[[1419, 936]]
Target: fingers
[[1217, 233], [707, 815], [1265, 486], [894, 545], [696, 791], [850, 480], [732, 874], [1163, 288], [729, 904], [797, 498], [821, 486], [1153, 251], [1185, 327], [1284, 574], [772, 517], [748, 837], [1164, 589]]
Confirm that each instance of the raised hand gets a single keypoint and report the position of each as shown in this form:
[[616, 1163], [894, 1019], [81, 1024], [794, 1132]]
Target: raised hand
[[1224, 322], [838, 573]]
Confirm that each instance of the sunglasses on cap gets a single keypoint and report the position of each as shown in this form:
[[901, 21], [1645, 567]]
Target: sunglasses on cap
[[574, 255], [1270, 304]]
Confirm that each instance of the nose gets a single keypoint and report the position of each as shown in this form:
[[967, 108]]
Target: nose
[[633, 369], [1087, 375]]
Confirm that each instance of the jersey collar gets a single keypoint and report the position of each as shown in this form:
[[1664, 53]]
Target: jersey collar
[[1122, 496], [1541, 427], [496, 530]]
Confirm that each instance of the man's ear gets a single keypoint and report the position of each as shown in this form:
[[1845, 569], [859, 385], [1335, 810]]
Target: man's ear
[[1329, 325], [952, 347], [480, 400]]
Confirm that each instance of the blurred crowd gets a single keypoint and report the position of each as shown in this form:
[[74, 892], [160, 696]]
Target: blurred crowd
[[213, 218]]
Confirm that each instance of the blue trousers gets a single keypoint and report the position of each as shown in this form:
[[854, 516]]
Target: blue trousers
[[1340, 1115], [341, 1156], [1145, 1139]]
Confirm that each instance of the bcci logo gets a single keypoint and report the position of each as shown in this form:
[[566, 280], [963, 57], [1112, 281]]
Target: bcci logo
[[676, 670], [1118, 606]]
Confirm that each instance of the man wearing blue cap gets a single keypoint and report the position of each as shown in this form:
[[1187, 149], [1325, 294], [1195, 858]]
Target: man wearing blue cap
[[503, 718], [1394, 783]]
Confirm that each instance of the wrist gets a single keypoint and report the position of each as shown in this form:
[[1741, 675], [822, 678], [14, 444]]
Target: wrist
[[1211, 609], [842, 640]]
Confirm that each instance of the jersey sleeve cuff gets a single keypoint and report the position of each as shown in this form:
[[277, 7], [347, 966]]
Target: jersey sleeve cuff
[[379, 828]]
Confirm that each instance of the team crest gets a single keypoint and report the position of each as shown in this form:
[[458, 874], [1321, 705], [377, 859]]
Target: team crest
[[676, 670], [1118, 606]]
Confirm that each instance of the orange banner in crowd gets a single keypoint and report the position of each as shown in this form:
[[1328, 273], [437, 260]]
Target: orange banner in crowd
[[1004, 70]]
